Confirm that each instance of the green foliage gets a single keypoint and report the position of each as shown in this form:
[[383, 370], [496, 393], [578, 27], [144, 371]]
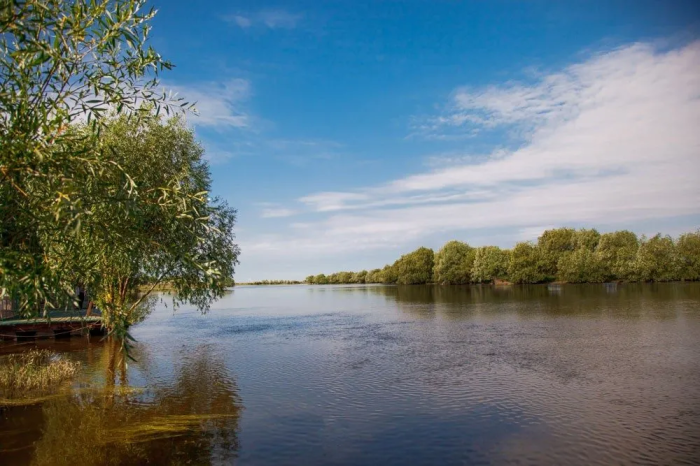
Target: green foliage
[[342, 277], [166, 230], [490, 262], [321, 279], [580, 266], [579, 256], [656, 259], [416, 267], [359, 277], [587, 239], [61, 63], [688, 255], [617, 253], [453, 263], [374, 276], [551, 246], [526, 264], [274, 282], [390, 273]]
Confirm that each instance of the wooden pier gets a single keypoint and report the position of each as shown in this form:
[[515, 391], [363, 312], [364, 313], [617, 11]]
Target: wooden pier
[[57, 324]]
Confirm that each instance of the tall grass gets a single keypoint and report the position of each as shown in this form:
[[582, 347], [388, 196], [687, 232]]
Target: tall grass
[[34, 371]]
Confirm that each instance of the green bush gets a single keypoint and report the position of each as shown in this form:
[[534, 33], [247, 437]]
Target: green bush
[[656, 260], [617, 253], [688, 254], [490, 262], [453, 263], [580, 266], [526, 264], [416, 267]]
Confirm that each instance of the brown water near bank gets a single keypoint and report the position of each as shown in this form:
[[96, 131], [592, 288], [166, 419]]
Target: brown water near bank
[[588, 374]]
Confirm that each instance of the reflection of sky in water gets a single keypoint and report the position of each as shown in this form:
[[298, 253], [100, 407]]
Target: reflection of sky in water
[[439, 375]]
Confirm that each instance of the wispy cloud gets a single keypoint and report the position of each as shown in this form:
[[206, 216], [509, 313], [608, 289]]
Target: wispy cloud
[[269, 19], [218, 104], [277, 213], [609, 140], [243, 22]]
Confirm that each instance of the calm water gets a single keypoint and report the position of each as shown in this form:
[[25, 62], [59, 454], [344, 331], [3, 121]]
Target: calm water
[[386, 375]]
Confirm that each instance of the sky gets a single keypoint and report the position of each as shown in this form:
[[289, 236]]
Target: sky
[[347, 133]]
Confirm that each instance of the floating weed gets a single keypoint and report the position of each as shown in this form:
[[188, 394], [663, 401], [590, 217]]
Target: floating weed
[[164, 427]]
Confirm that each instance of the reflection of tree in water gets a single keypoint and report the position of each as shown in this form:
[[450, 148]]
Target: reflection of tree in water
[[194, 420], [630, 300]]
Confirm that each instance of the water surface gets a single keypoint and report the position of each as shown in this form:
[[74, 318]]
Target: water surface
[[591, 374]]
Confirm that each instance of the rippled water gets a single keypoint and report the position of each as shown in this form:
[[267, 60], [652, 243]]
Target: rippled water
[[589, 374]]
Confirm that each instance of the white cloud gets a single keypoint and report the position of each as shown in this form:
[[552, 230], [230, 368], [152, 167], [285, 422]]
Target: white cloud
[[277, 213], [218, 104], [242, 21], [611, 140], [270, 19], [276, 19], [329, 201]]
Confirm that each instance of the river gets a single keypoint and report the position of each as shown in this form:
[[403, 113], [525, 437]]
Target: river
[[589, 374]]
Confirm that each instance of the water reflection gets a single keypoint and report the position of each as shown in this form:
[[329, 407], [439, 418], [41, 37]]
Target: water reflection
[[190, 419], [590, 374], [659, 300]]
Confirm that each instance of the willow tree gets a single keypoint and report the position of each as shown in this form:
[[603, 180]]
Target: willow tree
[[656, 259], [688, 253], [490, 262], [552, 245], [61, 63], [166, 228], [454, 263], [374, 276], [580, 266], [415, 268], [526, 264], [617, 253]]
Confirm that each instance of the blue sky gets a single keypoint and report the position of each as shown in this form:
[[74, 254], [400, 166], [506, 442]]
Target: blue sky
[[347, 133]]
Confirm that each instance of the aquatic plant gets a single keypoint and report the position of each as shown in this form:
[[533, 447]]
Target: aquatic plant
[[194, 420], [34, 371]]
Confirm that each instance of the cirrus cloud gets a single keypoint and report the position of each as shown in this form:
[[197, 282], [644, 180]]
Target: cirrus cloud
[[269, 18], [606, 141]]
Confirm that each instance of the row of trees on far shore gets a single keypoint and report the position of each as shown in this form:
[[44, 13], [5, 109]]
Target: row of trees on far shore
[[563, 254], [273, 282]]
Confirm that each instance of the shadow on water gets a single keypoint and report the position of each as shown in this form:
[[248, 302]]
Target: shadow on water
[[190, 419]]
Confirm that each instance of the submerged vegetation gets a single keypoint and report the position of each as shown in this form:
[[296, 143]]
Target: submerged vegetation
[[104, 419], [33, 373], [192, 420], [563, 254]]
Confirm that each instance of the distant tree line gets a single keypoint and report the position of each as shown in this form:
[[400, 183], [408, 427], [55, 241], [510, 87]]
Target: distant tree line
[[563, 254], [273, 282]]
